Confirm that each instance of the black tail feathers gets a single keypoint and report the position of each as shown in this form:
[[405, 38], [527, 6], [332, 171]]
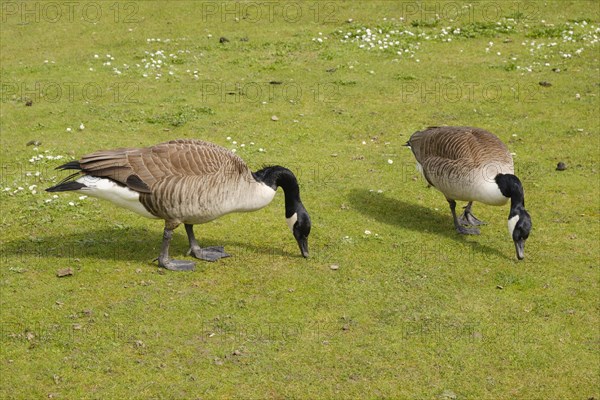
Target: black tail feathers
[[66, 186], [70, 165]]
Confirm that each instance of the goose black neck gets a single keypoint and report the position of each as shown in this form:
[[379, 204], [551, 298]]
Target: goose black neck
[[277, 176], [511, 187]]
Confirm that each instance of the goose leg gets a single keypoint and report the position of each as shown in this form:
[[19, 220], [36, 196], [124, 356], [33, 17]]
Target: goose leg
[[164, 260], [459, 228], [212, 253], [467, 218]]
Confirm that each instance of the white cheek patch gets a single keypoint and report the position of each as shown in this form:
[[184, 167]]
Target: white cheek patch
[[291, 221], [511, 224]]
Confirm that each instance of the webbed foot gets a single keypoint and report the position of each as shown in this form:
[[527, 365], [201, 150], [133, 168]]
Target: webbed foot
[[177, 265], [467, 231], [212, 253], [469, 219]]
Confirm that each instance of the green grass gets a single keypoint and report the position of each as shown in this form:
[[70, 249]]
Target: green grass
[[413, 312]]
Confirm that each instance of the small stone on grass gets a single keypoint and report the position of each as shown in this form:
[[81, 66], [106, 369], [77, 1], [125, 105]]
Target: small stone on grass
[[447, 395], [64, 272]]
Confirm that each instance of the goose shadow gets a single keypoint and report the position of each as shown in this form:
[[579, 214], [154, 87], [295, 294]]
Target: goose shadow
[[127, 245], [414, 218]]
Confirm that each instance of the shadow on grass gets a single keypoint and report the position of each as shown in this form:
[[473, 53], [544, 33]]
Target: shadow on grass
[[414, 217], [129, 245]]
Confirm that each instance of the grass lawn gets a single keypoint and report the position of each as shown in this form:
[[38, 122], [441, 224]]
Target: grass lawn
[[413, 311]]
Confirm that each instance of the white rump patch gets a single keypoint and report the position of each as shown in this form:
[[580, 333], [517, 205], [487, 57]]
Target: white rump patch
[[121, 196], [291, 221], [512, 222]]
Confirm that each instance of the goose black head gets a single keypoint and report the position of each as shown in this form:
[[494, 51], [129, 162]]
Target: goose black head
[[299, 224], [519, 221], [519, 226], [295, 214]]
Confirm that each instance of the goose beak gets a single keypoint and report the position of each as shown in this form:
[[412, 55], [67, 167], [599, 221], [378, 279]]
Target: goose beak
[[520, 248], [303, 244]]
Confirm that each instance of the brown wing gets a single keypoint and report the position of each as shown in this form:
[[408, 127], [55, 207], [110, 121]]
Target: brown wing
[[472, 145], [451, 152], [141, 168]]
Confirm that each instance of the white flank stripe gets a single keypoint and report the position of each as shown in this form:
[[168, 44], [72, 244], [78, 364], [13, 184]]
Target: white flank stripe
[[420, 169]]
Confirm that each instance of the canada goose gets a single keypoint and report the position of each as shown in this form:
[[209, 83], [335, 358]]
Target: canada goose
[[185, 181], [472, 164]]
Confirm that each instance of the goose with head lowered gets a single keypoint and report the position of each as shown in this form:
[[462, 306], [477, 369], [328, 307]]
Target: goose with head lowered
[[472, 164], [185, 182]]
